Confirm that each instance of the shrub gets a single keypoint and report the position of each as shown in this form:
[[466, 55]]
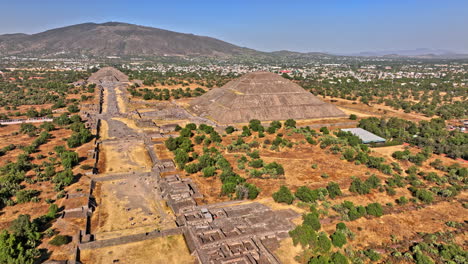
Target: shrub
[[230, 129], [24, 196], [372, 255], [304, 235], [73, 108], [358, 186], [373, 182], [228, 188], [311, 219], [353, 117], [338, 239], [192, 168], [319, 260], [191, 126], [257, 163], [63, 179], [60, 240], [402, 200], [424, 195], [274, 169], [69, 159], [291, 123], [283, 195], [209, 171], [338, 258], [323, 243], [325, 130], [254, 154], [305, 194], [374, 209], [255, 125], [52, 212], [47, 126], [334, 189]]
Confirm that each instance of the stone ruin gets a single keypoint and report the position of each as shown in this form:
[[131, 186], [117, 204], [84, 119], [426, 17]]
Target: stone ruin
[[164, 165], [247, 233], [107, 74], [226, 233], [179, 193]]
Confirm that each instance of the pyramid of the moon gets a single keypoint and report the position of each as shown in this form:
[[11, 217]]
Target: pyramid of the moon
[[108, 74], [264, 96]]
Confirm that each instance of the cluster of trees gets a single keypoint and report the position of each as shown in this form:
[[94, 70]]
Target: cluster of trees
[[350, 212], [305, 194], [211, 162], [204, 78], [364, 187], [432, 134], [50, 88], [166, 94], [18, 243], [259, 167], [5, 149], [407, 94], [352, 150], [80, 136], [309, 236], [13, 173], [434, 248], [417, 159]]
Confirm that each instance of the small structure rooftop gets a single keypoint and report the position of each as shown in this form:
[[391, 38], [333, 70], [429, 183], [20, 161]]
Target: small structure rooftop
[[366, 136]]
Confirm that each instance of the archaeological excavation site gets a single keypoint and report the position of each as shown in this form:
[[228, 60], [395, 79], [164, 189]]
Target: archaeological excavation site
[[137, 194]]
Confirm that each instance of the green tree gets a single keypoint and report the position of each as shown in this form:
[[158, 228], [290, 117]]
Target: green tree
[[230, 129], [334, 190], [323, 243], [338, 258], [255, 125], [358, 186], [283, 195], [209, 171], [291, 123], [338, 239], [69, 159], [374, 209], [304, 235], [311, 219]]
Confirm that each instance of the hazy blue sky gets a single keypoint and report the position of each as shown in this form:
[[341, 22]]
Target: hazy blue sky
[[329, 25]]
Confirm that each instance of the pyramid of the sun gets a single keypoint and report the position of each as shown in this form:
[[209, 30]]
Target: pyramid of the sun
[[264, 96], [108, 74]]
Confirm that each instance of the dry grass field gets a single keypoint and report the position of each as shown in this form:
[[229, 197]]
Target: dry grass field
[[379, 110], [127, 207], [124, 157], [167, 250]]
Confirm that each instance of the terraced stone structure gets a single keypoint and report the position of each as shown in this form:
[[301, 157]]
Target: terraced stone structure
[[227, 232], [246, 233], [264, 96], [107, 74]]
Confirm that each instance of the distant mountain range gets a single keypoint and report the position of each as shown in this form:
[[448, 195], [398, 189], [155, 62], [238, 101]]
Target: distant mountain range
[[414, 53], [116, 39], [122, 39]]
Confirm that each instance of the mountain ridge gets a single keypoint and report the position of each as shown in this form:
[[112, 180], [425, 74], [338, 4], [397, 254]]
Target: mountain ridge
[[124, 39], [116, 39]]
